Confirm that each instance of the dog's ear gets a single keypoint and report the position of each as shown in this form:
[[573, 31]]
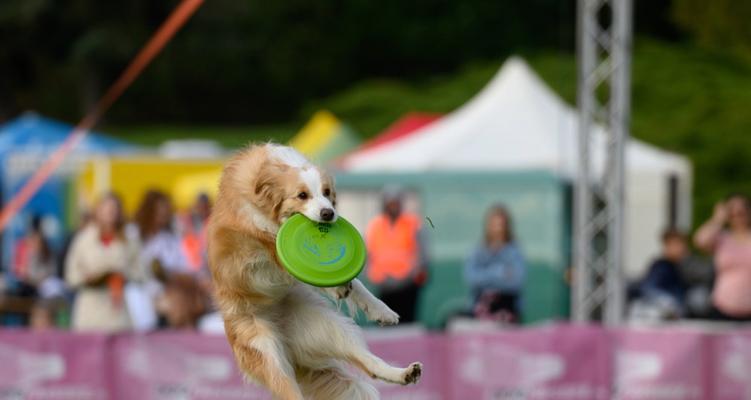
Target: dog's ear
[[268, 195]]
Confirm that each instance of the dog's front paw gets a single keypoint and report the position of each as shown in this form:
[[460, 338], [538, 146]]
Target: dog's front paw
[[342, 292], [384, 317], [412, 373]]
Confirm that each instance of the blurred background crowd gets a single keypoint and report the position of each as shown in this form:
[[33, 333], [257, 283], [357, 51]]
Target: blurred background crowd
[[114, 272], [147, 271]]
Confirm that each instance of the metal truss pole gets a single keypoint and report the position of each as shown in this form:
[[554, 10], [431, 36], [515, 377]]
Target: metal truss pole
[[604, 57]]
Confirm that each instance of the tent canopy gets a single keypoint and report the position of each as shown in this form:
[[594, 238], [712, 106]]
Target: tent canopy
[[324, 138], [515, 122], [35, 133], [404, 126]]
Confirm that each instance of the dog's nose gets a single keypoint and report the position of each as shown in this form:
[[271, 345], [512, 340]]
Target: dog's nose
[[327, 214]]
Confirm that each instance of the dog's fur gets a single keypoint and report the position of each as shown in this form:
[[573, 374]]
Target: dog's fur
[[284, 334]]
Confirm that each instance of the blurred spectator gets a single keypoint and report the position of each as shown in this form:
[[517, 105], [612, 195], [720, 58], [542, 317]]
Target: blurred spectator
[[698, 274], [33, 261], [99, 263], [397, 261], [178, 297], [495, 271], [194, 233], [661, 294], [43, 314], [731, 247], [162, 251]]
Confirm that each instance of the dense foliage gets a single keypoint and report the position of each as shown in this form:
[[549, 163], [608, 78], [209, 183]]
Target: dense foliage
[[251, 60]]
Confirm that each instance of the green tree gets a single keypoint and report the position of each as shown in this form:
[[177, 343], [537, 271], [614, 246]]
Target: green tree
[[722, 24]]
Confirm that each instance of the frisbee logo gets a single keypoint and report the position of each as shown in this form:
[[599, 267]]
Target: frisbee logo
[[331, 254]]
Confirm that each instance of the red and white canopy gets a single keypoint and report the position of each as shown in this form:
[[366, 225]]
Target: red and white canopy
[[516, 122]]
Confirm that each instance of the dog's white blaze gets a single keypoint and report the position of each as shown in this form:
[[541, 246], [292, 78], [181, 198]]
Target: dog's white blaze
[[311, 176], [288, 156], [312, 179]]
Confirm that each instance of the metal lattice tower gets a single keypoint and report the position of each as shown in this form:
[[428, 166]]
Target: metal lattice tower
[[604, 58]]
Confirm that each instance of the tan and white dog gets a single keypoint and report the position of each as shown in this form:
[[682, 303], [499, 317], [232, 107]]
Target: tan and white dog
[[284, 334]]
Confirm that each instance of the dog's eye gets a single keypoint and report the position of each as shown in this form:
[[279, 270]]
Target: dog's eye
[[327, 192], [302, 195]]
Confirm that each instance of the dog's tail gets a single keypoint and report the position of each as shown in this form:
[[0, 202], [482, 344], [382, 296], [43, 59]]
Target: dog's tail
[[334, 383]]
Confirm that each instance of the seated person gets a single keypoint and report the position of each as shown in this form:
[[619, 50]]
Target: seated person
[[662, 291], [495, 271]]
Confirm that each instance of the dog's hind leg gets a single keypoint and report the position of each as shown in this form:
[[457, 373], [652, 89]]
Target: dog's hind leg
[[261, 356], [333, 382], [317, 333]]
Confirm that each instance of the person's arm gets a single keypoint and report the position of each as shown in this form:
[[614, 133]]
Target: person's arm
[[74, 269], [515, 270], [505, 274], [77, 274], [707, 235], [476, 274]]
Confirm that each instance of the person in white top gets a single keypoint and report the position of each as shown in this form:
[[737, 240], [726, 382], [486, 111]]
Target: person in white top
[[99, 263]]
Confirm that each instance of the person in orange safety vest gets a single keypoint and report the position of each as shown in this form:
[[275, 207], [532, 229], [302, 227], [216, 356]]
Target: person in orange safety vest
[[396, 255]]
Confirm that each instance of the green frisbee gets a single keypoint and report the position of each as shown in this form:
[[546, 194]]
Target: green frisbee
[[320, 254]]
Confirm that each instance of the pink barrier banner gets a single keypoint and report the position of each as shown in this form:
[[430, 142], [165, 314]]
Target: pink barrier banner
[[659, 364], [556, 362], [57, 366], [548, 363], [401, 350], [172, 366], [730, 369]]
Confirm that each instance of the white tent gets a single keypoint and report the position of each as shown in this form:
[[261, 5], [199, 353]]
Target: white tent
[[517, 123]]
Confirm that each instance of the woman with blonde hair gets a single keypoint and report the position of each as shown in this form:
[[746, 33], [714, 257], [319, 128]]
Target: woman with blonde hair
[[99, 263]]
